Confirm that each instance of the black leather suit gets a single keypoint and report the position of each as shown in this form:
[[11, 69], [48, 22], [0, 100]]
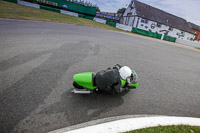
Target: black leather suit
[[109, 80]]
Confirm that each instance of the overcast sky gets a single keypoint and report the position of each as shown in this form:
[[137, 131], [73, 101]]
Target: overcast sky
[[187, 9]]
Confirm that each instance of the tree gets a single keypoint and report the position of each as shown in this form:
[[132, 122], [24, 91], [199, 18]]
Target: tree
[[122, 10], [85, 3], [97, 8], [81, 2]]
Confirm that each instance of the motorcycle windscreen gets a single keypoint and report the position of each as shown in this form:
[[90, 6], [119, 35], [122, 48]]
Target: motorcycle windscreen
[[85, 79]]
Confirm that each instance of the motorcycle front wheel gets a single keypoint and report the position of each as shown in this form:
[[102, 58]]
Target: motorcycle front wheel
[[77, 86]]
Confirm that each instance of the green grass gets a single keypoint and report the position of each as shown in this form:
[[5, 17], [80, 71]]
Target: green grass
[[169, 129], [15, 11], [198, 48]]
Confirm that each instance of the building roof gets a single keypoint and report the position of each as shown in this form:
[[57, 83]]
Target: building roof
[[157, 15], [194, 26]]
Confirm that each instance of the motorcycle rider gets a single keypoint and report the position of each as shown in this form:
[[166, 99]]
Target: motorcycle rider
[[109, 80]]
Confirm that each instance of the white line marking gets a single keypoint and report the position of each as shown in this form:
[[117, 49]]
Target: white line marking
[[137, 123]]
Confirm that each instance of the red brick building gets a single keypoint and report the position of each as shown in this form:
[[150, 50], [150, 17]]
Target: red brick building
[[196, 29]]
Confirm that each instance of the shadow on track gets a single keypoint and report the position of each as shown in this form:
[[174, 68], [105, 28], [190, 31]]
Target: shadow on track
[[79, 108], [19, 100]]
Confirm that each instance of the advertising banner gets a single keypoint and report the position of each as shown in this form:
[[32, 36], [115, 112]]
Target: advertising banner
[[69, 13], [100, 20], [20, 2], [124, 27]]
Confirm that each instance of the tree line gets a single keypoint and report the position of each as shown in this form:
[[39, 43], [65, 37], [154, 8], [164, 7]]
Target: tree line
[[85, 3]]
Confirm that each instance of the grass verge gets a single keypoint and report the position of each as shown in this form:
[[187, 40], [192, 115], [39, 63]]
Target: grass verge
[[15, 11], [198, 48], [169, 129]]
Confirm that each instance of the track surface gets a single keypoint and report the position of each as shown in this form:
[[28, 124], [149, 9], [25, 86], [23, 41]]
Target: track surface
[[39, 59]]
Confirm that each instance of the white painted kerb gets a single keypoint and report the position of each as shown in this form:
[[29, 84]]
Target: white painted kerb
[[137, 123]]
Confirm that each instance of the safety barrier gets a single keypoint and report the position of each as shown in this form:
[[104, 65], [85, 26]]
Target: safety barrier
[[111, 23], [20, 2], [49, 8], [169, 38], [85, 16], [124, 27], [69, 6], [146, 33], [14, 1], [100, 20], [189, 43], [69, 13]]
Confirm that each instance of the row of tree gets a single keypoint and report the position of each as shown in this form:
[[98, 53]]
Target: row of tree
[[85, 3], [121, 10]]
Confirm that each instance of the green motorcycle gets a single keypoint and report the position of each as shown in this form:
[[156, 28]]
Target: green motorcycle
[[84, 83]]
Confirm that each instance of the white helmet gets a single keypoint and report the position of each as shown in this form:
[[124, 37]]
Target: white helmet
[[125, 72]]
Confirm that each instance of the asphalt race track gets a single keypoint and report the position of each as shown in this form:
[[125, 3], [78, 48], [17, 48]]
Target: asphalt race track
[[39, 59]]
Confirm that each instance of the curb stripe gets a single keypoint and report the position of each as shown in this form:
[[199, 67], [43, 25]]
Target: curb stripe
[[130, 124]]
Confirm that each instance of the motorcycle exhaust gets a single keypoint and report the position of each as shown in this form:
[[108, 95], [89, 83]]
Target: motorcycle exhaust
[[81, 91]]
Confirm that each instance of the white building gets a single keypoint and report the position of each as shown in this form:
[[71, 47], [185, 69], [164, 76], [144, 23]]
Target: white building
[[145, 17]]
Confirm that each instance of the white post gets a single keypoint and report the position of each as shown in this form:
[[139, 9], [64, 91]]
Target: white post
[[163, 34]]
